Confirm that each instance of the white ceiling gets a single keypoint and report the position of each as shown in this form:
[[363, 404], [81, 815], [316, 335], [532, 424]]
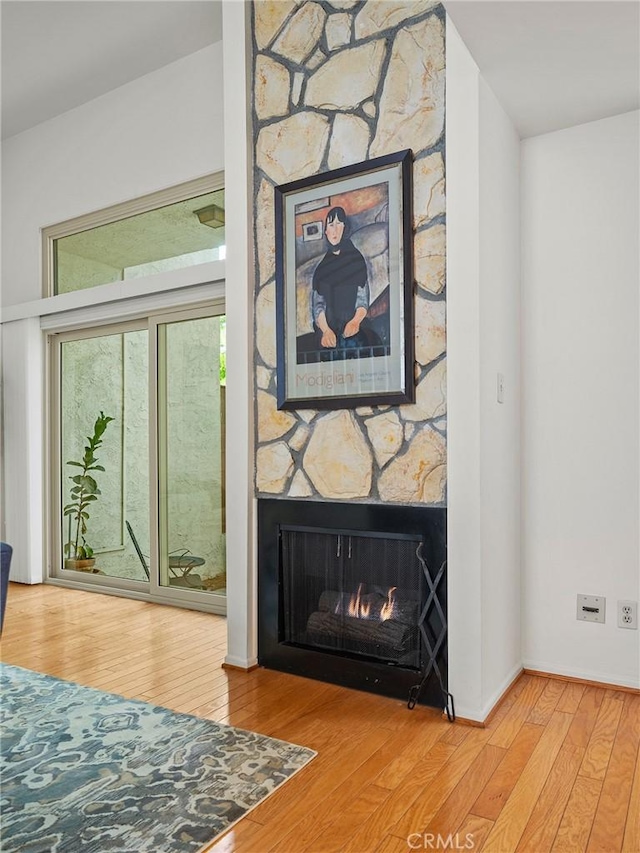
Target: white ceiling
[[58, 54], [552, 63], [555, 64]]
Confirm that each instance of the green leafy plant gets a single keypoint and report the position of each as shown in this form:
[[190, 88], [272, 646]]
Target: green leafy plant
[[84, 492]]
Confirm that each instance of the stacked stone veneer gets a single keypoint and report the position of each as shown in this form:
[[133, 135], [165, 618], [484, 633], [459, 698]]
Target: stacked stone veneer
[[336, 83]]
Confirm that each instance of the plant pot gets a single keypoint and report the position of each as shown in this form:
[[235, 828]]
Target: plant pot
[[80, 565]]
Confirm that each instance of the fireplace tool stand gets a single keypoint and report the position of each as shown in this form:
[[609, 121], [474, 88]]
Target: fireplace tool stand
[[432, 649]]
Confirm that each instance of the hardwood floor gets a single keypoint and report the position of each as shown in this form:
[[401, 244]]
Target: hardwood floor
[[557, 769]]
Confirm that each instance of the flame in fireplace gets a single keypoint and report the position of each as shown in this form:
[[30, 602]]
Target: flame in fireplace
[[359, 608], [387, 608]]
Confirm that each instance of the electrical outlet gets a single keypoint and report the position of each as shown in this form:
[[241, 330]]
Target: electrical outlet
[[627, 614], [591, 608]]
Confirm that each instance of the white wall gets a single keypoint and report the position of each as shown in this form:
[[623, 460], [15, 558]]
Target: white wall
[[23, 450], [483, 436], [499, 422], [242, 619], [160, 130], [152, 133], [581, 392], [464, 567]]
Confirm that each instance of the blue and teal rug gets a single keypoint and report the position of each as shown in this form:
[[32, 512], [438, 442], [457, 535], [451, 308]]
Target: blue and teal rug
[[89, 772]]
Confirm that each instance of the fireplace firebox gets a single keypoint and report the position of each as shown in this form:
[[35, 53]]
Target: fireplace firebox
[[355, 594]]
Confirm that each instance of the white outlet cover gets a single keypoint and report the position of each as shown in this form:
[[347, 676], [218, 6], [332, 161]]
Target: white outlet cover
[[591, 608], [628, 614]]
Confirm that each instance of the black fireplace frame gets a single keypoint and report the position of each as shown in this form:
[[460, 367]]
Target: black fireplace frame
[[397, 681]]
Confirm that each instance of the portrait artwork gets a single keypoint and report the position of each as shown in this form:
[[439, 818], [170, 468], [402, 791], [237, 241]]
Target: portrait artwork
[[344, 283]]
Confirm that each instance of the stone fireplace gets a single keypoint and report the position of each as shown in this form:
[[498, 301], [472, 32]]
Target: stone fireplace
[[354, 595], [335, 84]]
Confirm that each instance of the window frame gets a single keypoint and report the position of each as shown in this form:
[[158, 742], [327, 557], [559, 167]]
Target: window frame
[[116, 213]]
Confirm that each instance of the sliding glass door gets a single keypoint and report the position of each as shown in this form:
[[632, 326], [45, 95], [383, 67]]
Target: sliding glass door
[[191, 393], [138, 458], [104, 452]]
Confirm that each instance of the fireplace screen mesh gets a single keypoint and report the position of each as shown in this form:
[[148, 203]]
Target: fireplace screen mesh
[[354, 594]]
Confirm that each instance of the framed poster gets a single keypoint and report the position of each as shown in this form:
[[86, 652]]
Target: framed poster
[[344, 287]]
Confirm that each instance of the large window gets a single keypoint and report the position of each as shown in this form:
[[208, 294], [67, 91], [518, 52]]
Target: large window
[[138, 427], [165, 231]]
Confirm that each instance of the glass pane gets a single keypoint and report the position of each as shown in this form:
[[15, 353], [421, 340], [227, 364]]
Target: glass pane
[[108, 484], [191, 400], [171, 237]]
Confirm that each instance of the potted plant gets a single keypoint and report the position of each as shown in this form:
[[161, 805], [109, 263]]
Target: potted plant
[[84, 492]]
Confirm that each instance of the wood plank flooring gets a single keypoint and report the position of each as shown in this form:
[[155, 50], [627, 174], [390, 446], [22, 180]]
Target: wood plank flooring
[[557, 769]]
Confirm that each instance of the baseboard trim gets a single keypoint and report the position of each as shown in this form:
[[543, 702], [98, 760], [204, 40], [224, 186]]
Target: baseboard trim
[[607, 685], [515, 677], [466, 721], [238, 668], [501, 694]]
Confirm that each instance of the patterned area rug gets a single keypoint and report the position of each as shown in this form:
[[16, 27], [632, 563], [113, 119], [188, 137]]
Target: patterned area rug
[[89, 772]]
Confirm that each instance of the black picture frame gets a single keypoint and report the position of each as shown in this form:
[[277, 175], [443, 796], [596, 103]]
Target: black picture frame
[[344, 243]]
